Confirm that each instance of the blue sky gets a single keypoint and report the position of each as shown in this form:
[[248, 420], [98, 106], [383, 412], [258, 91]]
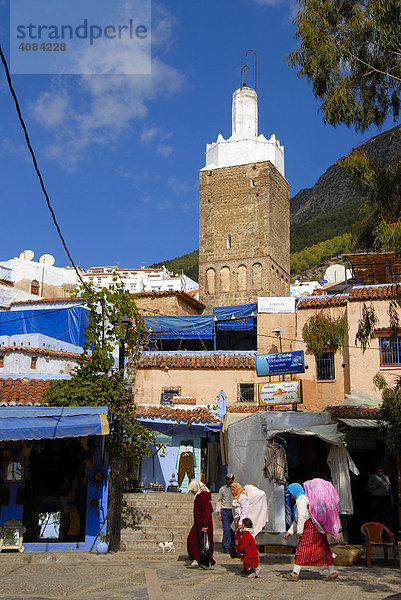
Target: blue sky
[[120, 154]]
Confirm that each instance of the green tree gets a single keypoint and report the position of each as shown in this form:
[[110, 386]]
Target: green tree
[[93, 384], [350, 50], [390, 415]]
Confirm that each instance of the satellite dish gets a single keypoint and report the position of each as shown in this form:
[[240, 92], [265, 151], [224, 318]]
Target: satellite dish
[[47, 259], [335, 273], [27, 255]]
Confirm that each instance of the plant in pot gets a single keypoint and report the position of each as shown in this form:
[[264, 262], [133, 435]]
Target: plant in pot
[[102, 547]]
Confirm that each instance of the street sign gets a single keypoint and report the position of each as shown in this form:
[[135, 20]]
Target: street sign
[[280, 392], [281, 363]]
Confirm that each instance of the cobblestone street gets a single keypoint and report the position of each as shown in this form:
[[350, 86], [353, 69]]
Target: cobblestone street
[[124, 576]]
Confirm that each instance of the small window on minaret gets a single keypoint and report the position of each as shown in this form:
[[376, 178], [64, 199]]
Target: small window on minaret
[[252, 183], [228, 241]]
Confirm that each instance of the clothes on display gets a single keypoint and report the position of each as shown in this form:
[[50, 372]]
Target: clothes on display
[[186, 461], [276, 467], [288, 515], [212, 466], [341, 464]]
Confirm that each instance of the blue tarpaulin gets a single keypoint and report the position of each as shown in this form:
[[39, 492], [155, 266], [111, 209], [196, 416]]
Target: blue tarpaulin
[[66, 324], [180, 327], [238, 317], [36, 423]]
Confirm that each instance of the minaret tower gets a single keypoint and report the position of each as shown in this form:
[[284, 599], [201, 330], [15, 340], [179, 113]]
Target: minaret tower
[[244, 213]]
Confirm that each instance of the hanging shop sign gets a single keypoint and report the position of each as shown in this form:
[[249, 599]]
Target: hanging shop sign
[[276, 304], [280, 392], [281, 363]]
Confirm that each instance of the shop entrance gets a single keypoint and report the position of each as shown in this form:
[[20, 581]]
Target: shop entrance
[[55, 494]]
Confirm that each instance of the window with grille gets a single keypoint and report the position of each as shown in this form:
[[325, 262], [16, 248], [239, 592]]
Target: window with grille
[[390, 352], [246, 392], [325, 366]]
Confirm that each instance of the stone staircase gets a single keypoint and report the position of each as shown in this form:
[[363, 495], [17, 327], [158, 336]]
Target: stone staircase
[[152, 518]]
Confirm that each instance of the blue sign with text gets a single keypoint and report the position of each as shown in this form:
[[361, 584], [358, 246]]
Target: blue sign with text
[[282, 363]]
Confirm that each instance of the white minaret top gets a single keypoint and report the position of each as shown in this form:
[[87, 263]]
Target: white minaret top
[[244, 146], [245, 113]]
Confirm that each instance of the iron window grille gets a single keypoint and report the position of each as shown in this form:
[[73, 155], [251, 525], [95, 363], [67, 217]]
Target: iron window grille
[[390, 352], [246, 392], [325, 367]]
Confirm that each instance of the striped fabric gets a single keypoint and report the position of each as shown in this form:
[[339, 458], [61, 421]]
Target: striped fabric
[[313, 548]]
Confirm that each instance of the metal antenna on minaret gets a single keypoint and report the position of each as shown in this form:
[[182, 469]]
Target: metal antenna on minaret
[[256, 63], [243, 69]]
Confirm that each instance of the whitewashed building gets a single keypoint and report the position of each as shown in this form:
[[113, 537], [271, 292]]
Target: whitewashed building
[[140, 280]]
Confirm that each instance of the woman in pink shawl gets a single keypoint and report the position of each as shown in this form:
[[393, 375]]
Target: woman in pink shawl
[[313, 548]]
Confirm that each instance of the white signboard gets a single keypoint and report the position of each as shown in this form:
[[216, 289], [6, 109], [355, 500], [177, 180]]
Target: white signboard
[[280, 392], [272, 304]]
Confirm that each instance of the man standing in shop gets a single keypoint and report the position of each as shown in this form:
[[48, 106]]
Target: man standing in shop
[[381, 504], [224, 510]]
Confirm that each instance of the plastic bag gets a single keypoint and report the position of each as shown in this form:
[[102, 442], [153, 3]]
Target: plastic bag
[[205, 546]]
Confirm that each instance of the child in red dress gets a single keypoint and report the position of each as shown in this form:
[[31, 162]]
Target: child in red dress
[[248, 550]]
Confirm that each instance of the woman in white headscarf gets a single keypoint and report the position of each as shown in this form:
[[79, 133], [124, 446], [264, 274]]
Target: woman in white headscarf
[[203, 522]]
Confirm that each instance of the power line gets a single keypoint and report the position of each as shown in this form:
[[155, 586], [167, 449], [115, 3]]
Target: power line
[[35, 164]]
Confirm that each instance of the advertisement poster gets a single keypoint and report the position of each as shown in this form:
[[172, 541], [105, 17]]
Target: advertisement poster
[[281, 363], [280, 392]]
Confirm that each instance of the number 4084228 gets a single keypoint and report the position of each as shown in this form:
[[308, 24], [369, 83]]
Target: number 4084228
[[44, 47]]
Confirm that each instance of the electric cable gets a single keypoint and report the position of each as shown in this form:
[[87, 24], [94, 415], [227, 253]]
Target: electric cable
[[35, 164]]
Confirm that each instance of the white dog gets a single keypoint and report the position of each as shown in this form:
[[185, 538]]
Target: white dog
[[166, 546]]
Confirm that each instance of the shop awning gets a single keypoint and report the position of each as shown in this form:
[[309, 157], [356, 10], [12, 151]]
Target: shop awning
[[179, 327], [36, 423], [359, 423], [238, 317]]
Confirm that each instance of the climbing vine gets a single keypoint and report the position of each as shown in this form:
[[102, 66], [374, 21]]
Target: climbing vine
[[323, 331]]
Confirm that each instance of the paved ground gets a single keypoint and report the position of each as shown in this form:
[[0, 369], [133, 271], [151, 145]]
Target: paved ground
[[124, 576]]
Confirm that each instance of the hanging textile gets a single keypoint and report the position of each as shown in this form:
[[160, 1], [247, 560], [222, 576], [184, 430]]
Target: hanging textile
[[186, 462], [276, 467], [341, 464], [212, 457], [288, 513]]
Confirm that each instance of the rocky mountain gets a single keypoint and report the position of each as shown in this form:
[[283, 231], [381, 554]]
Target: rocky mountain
[[334, 188]]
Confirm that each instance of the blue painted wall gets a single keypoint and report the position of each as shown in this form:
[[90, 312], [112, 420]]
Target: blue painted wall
[[95, 513]]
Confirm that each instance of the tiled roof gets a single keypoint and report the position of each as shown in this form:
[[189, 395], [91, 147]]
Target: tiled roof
[[184, 400], [42, 351], [47, 301], [197, 415], [203, 361], [353, 412], [322, 301], [184, 295], [373, 292], [22, 391], [6, 282], [243, 408]]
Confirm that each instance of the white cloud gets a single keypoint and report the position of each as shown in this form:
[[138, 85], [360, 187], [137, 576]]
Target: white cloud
[[293, 5], [97, 110]]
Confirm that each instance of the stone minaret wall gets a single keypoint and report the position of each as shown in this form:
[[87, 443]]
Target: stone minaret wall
[[244, 234]]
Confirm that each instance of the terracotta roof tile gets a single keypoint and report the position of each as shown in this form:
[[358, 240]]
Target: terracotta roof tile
[[42, 351], [322, 301], [23, 391], [353, 412], [184, 295], [203, 361], [243, 408], [197, 415], [184, 400], [373, 292]]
